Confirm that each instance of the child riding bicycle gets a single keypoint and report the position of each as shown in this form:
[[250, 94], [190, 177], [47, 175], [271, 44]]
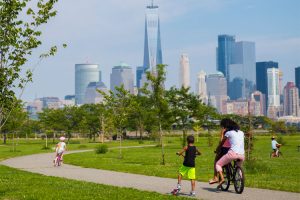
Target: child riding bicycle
[[61, 147], [275, 146]]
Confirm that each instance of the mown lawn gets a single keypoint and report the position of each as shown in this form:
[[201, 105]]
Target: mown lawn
[[32, 146], [16, 184], [262, 172]]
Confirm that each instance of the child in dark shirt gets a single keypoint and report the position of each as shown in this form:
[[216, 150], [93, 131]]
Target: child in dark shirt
[[188, 166]]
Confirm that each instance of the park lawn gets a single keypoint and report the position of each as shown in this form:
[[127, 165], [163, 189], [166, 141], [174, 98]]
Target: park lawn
[[32, 146], [16, 184], [262, 172]]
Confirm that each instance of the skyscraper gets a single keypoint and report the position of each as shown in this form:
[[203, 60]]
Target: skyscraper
[[92, 96], [242, 76], [184, 72], [217, 89], [201, 87], [84, 74], [291, 100], [152, 45], [297, 78], [261, 77], [273, 92], [122, 75], [224, 53]]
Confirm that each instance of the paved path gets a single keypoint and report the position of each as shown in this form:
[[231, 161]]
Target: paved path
[[42, 164]]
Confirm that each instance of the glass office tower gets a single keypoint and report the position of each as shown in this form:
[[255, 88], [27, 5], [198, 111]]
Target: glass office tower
[[84, 74], [224, 53], [152, 45], [122, 75], [297, 78]]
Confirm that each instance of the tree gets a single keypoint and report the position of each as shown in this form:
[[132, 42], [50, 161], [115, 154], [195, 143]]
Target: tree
[[118, 104], [19, 36], [159, 103], [15, 122], [183, 107]]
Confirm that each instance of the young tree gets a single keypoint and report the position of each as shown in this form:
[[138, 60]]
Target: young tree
[[118, 104], [19, 35], [159, 103]]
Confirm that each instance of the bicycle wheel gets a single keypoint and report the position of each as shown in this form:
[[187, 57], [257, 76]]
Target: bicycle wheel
[[239, 180], [226, 174]]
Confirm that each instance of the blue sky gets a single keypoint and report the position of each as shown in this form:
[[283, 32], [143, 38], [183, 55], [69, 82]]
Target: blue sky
[[107, 32]]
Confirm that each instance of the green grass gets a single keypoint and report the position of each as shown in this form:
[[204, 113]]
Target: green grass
[[16, 184], [276, 173], [32, 146]]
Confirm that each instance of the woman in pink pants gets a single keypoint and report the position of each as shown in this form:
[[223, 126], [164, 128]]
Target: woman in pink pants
[[236, 151]]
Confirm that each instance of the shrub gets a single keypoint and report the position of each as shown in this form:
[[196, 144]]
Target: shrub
[[82, 146], [280, 140], [74, 142], [141, 142], [101, 149]]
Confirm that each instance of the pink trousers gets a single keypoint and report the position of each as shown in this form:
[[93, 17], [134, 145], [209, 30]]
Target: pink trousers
[[227, 158]]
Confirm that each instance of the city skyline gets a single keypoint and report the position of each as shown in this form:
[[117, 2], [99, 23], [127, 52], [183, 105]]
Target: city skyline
[[183, 30]]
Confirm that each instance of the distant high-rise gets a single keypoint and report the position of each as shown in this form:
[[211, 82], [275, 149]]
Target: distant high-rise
[[122, 75], [273, 92], [152, 45], [84, 74], [201, 87], [261, 77], [217, 88], [291, 100], [257, 104], [139, 73], [242, 76], [297, 78], [184, 72], [92, 96], [224, 53]]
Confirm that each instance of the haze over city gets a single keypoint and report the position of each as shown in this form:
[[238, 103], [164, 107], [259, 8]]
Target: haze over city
[[107, 32]]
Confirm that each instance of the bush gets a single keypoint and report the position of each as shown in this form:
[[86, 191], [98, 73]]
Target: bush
[[74, 142], [101, 149], [82, 146], [45, 148], [141, 142], [280, 140], [254, 166]]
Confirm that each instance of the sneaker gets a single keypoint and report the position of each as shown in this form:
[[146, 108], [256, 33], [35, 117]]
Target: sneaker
[[192, 194]]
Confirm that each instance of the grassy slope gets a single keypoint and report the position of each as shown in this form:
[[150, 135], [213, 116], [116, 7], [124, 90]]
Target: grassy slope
[[276, 173]]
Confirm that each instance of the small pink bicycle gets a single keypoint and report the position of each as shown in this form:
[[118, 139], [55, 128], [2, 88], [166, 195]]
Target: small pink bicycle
[[57, 161]]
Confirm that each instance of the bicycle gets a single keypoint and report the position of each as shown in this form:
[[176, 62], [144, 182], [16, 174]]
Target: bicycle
[[273, 154], [57, 161], [235, 174]]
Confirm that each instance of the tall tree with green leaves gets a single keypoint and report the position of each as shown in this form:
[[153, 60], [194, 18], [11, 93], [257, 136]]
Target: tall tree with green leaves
[[118, 105], [20, 34], [159, 103]]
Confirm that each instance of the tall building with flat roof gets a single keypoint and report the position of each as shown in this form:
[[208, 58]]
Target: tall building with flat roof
[[242, 76], [122, 75], [92, 96], [184, 72], [217, 89], [273, 92], [261, 77], [201, 87], [291, 100], [224, 53], [84, 74], [297, 78]]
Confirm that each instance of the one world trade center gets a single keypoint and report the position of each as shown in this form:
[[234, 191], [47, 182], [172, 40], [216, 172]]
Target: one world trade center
[[152, 43]]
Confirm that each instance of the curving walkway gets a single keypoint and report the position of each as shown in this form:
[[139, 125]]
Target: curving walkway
[[42, 164]]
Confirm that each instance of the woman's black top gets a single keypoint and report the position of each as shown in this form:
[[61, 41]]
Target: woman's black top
[[190, 155]]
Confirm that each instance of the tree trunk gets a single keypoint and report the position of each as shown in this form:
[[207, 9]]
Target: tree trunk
[[162, 145], [183, 137], [120, 144]]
